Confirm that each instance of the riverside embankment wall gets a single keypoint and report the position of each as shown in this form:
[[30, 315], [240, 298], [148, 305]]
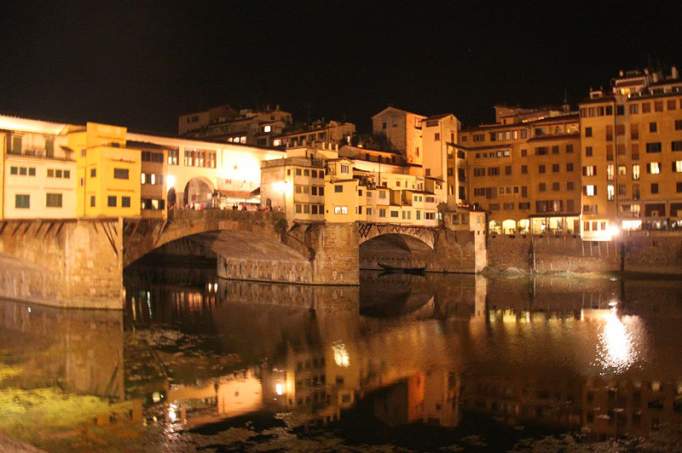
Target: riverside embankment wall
[[643, 252]]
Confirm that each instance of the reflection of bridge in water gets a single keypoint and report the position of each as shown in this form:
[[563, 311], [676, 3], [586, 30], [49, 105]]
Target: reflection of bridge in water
[[314, 352]]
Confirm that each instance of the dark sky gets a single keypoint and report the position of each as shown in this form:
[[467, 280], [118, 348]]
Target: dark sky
[[140, 64]]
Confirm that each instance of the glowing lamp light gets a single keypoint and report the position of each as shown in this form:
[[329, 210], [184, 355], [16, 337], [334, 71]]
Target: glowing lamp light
[[170, 181], [280, 186], [279, 389], [613, 231]]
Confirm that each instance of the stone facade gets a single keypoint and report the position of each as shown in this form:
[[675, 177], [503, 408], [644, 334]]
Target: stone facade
[[75, 264], [654, 253]]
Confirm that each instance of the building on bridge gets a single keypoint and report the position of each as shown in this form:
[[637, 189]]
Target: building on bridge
[[320, 184], [337, 132], [51, 170]]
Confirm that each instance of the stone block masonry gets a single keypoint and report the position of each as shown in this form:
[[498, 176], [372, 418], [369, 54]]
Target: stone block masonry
[[637, 252], [65, 263]]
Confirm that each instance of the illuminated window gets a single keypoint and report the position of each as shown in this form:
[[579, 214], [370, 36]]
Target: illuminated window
[[622, 170], [590, 170], [590, 190], [609, 172], [610, 192], [267, 128], [635, 172], [341, 210], [654, 168], [677, 166]]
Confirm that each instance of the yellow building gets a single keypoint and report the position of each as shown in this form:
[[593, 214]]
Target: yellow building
[[319, 185], [37, 170], [107, 172], [631, 138], [525, 170]]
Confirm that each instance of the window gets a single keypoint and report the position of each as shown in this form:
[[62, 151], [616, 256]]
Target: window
[[610, 192], [676, 145], [653, 168], [22, 201], [13, 170], [679, 187], [610, 171], [31, 171], [394, 214], [588, 151], [622, 170], [92, 201], [658, 106], [508, 170], [541, 169], [634, 109], [125, 202], [569, 167], [267, 128], [635, 172], [555, 168], [111, 201], [53, 200], [382, 212], [344, 168], [436, 136], [590, 170], [654, 188], [555, 149], [677, 166], [338, 188], [678, 125], [588, 132], [542, 187], [556, 186], [524, 169], [121, 173], [569, 148], [654, 147], [342, 210], [672, 105], [590, 190], [524, 152], [173, 156], [646, 107], [653, 127]]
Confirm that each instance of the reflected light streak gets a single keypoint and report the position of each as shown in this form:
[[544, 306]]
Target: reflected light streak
[[617, 349]]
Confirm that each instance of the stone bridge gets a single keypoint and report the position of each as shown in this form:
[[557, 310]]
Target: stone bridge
[[80, 263]]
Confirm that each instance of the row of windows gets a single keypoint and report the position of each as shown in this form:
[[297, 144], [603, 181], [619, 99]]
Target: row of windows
[[590, 190], [313, 190], [58, 173], [52, 200], [153, 204], [633, 108], [304, 208], [119, 173], [148, 156], [307, 172], [22, 171], [203, 159], [151, 178], [495, 171], [556, 186], [651, 148], [541, 206], [112, 201], [545, 150]]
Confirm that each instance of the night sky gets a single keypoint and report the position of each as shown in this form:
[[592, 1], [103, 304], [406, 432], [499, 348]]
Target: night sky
[[140, 64]]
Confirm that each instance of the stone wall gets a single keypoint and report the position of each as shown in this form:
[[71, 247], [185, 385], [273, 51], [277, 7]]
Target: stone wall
[[643, 253], [75, 264]]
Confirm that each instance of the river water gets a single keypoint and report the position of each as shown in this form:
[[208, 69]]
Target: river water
[[404, 362]]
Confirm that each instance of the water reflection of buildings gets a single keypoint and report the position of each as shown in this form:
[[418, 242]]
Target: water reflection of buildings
[[431, 365]]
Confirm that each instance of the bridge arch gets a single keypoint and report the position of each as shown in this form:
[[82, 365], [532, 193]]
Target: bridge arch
[[198, 192]]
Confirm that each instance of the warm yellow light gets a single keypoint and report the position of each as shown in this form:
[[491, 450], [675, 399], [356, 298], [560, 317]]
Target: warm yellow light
[[280, 186], [341, 357], [170, 181], [279, 389]]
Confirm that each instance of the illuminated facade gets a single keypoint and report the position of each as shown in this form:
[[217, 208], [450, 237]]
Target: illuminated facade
[[632, 153], [319, 184], [245, 126], [331, 132], [525, 170]]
